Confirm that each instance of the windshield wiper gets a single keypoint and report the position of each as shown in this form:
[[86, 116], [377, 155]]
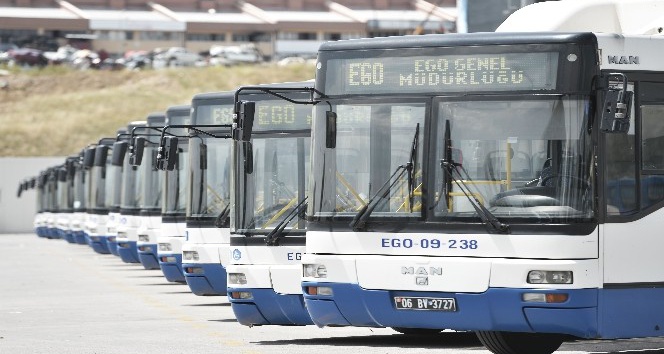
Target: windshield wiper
[[449, 166], [272, 239], [222, 218], [413, 165], [359, 222]]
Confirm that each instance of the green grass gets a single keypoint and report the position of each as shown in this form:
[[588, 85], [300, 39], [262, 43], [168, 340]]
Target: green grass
[[57, 112]]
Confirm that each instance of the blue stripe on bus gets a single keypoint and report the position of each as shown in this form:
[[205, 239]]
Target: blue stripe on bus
[[172, 270], [274, 308], [211, 282]]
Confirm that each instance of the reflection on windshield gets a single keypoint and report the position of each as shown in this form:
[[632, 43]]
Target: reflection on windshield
[[277, 184], [523, 159], [372, 142], [176, 183], [80, 201], [209, 161], [150, 181]]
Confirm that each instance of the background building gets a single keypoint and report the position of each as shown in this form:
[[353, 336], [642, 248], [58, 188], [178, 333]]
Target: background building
[[277, 28]]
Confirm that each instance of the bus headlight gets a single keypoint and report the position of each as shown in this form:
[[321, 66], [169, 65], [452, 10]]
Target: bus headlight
[[190, 255], [165, 247], [314, 270], [550, 277], [237, 278]]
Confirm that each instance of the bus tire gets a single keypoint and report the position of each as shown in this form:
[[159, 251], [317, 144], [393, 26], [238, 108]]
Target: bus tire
[[417, 331], [520, 343]]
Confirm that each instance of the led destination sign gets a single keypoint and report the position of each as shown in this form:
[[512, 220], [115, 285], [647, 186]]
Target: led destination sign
[[443, 73], [280, 115], [270, 115], [214, 114]]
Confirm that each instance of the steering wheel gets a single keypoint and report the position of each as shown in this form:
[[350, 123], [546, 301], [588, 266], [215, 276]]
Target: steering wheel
[[580, 181]]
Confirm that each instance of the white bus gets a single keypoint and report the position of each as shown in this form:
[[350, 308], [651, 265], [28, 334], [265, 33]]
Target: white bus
[[102, 179], [141, 190], [124, 176], [269, 171], [505, 183], [207, 235], [174, 198]]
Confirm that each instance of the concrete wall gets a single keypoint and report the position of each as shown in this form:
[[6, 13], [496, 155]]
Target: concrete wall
[[17, 214]]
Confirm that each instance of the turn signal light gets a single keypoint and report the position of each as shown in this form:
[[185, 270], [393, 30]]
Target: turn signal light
[[551, 298]]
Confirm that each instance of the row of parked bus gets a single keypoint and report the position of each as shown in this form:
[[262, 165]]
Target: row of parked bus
[[505, 183]]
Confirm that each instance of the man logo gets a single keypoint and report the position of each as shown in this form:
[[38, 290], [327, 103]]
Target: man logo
[[614, 59], [422, 273], [422, 270]]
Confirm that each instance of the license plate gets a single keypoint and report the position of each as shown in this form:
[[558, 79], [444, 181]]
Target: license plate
[[425, 303]]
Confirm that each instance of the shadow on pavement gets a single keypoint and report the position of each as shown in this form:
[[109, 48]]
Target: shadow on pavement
[[466, 340]]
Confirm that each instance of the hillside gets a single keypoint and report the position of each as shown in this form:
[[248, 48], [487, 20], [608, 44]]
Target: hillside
[[56, 111]]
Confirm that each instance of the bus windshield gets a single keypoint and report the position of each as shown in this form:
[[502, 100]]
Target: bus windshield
[[80, 186], [64, 196], [522, 158], [271, 189], [130, 176], [150, 186], [209, 178], [113, 183], [98, 182], [175, 181], [374, 141]]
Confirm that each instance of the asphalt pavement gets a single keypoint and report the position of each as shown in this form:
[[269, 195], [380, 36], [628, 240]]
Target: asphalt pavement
[[57, 297]]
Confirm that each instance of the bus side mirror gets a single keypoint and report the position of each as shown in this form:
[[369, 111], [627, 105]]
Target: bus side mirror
[[136, 151], [101, 154], [169, 154], [21, 188], [203, 157], [62, 175], [70, 167], [89, 157], [248, 157], [119, 151], [617, 106], [33, 183], [245, 120], [330, 130]]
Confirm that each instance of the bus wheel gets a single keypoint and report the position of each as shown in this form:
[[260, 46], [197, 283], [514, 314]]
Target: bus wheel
[[520, 343], [417, 331]]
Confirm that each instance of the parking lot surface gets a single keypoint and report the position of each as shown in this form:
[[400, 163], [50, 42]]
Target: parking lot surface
[[57, 297]]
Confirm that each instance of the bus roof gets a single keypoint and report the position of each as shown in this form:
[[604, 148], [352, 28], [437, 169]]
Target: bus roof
[[608, 16], [460, 39]]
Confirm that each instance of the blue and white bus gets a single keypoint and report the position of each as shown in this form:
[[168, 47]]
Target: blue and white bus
[[133, 187], [102, 180], [205, 248], [173, 205], [123, 176], [270, 170], [81, 191], [504, 183]]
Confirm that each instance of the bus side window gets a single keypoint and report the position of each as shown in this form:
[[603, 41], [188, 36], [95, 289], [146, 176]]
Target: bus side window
[[620, 172], [652, 154]]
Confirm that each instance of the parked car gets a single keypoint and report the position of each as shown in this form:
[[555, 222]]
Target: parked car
[[236, 54], [26, 57], [176, 56]]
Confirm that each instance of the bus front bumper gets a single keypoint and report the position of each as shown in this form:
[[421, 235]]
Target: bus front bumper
[[497, 309], [266, 307]]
